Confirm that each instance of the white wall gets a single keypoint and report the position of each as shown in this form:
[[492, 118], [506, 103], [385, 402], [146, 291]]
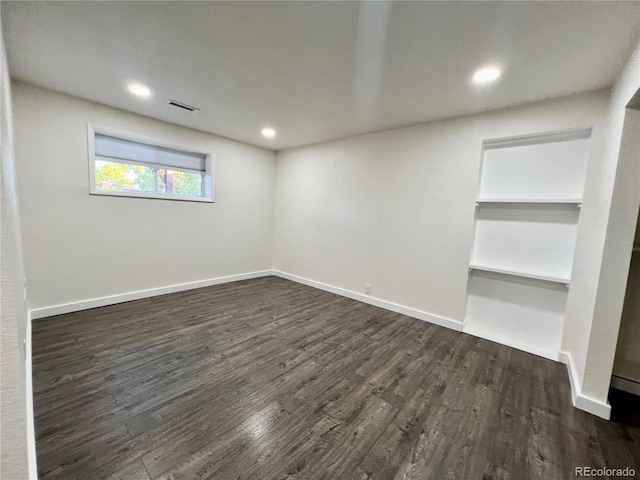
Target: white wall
[[80, 247], [605, 241], [13, 314], [395, 209]]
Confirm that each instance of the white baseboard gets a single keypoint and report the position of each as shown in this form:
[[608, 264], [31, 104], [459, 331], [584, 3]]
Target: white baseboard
[[574, 379], [599, 409], [127, 297], [581, 401], [563, 357], [394, 307], [525, 347], [31, 430], [625, 385]]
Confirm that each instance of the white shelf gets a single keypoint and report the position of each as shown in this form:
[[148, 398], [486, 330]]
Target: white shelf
[[518, 238], [528, 205], [515, 273], [569, 201]]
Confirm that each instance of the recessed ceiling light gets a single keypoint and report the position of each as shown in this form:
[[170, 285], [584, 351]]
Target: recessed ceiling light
[[268, 132], [486, 75], [139, 89]]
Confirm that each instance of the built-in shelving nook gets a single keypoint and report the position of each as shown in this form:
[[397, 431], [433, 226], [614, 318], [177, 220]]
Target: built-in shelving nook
[[527, 209]]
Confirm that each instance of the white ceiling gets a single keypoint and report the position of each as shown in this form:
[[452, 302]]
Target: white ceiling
[[316, 70]]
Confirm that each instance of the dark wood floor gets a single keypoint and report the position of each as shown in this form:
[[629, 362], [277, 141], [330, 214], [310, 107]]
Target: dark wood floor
[[268, 379]]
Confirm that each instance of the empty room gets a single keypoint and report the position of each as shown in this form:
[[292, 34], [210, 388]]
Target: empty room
[[320, 240]]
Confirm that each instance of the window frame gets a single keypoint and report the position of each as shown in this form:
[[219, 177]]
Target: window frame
[[208, 176]]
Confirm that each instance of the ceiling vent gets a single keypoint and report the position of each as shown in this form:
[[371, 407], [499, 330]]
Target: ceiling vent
[[183, 106]]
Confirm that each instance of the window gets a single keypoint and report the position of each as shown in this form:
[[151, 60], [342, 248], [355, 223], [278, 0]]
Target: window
[[126, 166]]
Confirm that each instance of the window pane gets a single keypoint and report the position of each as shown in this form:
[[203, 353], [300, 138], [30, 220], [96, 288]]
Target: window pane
[[122, 177], [175, 182]]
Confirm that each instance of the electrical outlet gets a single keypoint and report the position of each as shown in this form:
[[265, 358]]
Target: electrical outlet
[[367, 288]]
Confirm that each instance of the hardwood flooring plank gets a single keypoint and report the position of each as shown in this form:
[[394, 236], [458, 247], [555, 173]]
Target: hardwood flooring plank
[[268, 379], [134, 471], [506, 456]]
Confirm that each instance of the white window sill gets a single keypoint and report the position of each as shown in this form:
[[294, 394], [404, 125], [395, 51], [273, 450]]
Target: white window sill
[[151, 196]]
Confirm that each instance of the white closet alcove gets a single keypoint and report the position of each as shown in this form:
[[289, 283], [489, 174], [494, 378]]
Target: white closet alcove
[[527, 211]]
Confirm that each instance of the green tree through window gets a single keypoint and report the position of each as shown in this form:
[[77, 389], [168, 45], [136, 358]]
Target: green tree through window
[[125, 177]]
